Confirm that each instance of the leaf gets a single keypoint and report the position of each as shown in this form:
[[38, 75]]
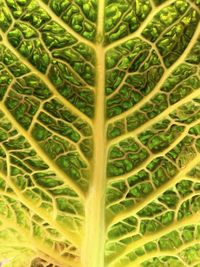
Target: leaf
[[99, 133]]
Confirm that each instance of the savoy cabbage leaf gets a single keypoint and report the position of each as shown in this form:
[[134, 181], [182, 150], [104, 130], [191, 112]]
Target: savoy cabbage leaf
[[99, 133]]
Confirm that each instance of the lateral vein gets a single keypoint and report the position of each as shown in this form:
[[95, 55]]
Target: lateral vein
[[161, 81], [155, 120], [44, 78], [133, 210], [40, 152], [141, 28], [64, 25], [155, 236], [74, 239]]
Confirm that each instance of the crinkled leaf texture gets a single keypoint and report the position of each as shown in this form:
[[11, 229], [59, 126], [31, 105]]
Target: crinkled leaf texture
[[99, 133]]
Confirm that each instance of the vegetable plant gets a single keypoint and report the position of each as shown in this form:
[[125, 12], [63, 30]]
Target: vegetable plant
[[99, 133]]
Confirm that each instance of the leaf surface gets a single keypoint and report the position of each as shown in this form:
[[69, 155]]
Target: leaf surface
[[99, 133]]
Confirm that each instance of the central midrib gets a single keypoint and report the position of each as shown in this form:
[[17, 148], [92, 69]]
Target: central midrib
[[93, 247]]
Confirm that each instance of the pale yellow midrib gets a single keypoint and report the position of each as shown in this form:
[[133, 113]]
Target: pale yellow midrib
[[93, 246]]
